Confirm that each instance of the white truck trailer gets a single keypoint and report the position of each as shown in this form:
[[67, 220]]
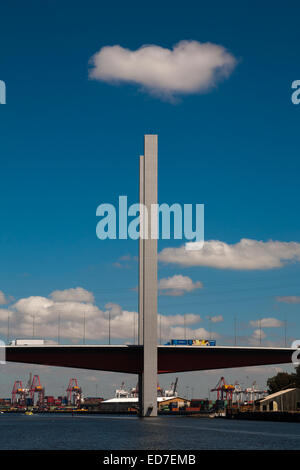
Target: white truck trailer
[[27, 342]]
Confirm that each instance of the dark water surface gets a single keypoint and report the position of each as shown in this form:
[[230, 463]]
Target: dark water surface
[[131, 433]]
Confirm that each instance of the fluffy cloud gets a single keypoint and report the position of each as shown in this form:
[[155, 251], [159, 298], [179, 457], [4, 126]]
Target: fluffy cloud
[[178, 285], [125, 262], [44, 315], [244, 255], [217, 319], [49, 317], [4, 299], [190, 67], [177, 320], [267, 323], [256, 336], [291, 299], [72, 295], [179, 326]]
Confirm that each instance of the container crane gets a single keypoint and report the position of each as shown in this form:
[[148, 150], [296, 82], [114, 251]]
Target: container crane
[[223, 390], [18, 389], [160, 391], [73, 388], [237, 395], [172, 392], [122, 392], [36, 387], [253, 393]]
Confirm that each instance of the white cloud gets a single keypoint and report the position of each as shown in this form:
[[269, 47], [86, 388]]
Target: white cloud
[[291, 299], [43, 315], [3, 299], [176, 320], [125, 261], [257, 336], [190, 67], [179, 327], [245, 255], [178, 332], [266, 323], [115, 310], [178, 285], [217, 318], [72, 295]]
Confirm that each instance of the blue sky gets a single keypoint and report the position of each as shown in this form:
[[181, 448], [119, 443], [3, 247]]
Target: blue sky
[[68, 144]]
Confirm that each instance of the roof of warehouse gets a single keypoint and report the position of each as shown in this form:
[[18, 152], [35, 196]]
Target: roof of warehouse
[[135, 399], [277, 394]]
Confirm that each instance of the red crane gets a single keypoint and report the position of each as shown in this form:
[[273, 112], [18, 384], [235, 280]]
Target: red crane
[[36, 387], [18, 390], [223, 390], [73, 388]]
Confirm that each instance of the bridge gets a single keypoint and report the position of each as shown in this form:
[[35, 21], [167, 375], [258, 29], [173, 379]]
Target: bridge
[[129, 359], [147, 359]]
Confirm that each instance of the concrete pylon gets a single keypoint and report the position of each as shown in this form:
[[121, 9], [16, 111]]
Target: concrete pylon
[[141, 278], [141, 255], [148, 280]]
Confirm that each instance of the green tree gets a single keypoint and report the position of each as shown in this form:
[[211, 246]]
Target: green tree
[[296, 377], [284, 380], [279, 382]]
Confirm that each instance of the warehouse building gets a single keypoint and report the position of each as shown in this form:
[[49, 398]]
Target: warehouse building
[[119, 405], [285, 400]]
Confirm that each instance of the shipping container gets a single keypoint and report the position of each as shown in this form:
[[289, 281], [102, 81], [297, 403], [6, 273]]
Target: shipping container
[[5, 401], [179, 341], [220, 404]]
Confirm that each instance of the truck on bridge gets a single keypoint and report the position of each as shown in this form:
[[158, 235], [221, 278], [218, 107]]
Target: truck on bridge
[[191, 342], [27, 342]]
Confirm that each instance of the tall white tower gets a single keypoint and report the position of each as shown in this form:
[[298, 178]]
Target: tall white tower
[[148, 280]]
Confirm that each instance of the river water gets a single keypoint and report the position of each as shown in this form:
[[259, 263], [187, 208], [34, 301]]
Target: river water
[[107, 432]]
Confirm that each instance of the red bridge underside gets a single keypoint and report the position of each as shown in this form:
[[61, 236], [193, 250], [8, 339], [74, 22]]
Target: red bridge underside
[[129, 359]]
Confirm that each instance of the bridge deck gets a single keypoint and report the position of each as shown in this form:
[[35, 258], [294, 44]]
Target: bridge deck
[[129, 359]]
